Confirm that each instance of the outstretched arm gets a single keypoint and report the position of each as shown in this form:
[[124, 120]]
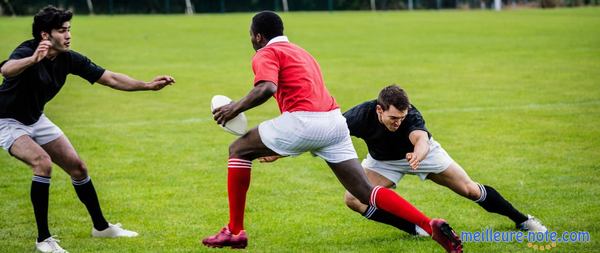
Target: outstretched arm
[[15, 67], [123, 82], [419, 139], [258, 95]]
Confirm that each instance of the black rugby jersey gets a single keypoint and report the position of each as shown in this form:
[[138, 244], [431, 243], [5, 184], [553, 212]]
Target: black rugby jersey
[[383, 144], [24, 96]]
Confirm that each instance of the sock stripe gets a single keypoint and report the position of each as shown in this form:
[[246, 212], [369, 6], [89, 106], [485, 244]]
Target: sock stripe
[[239, 164], [240, 161], [41, 179], [483, 193], [370, 211], [81, 182], [374, 195]]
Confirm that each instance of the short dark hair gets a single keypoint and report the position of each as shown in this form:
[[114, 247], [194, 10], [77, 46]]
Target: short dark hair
[[393, 95], [268, 24], [47, 19]]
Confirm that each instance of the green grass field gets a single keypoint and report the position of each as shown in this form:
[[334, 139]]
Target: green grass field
[[513, 96]]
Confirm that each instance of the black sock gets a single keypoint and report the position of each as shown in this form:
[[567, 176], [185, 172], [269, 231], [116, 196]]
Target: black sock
[[493, 202], [382, 216], [87, 194], [40, 186]]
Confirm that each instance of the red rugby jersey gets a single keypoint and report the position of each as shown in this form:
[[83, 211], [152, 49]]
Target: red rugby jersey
[[297, 75]]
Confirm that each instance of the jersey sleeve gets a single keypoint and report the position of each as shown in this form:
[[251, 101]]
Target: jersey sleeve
[[19, 53], [355, 118], [416, 122], [265, 66], [85, 68]]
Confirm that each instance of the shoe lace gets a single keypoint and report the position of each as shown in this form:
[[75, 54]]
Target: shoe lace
[[118, 225]]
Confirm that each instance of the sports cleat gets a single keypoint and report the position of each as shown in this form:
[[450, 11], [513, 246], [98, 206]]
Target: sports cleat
[[226, 239], [50, 245], [113, 231], [532, 224], [421, 232], [443, 234]]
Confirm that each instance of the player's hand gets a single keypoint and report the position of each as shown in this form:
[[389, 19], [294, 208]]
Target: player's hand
[[41, 51], [224, 113], [160, 82], [269, 159], [413, 160]]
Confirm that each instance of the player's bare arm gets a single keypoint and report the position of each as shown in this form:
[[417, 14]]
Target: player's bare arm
[[123, 82], [257, 96], [419, 140], [15, 67]]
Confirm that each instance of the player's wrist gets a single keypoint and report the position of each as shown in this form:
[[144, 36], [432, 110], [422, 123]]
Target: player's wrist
[[31, 60]]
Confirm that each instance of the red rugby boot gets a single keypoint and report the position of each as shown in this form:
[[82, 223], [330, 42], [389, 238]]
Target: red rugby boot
[[445, 236], [226, 239]]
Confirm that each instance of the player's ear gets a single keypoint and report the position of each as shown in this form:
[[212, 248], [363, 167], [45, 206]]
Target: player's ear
[[45, 35], [379, 109], [259, 37]]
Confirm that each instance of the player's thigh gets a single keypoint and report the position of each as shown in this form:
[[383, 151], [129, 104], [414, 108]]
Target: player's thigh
[[378, 179], [249, 146], [456, 179], [27, 150], [63, 154]]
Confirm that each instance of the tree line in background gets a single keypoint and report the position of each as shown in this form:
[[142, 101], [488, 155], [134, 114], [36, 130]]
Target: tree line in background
[[29, 7]]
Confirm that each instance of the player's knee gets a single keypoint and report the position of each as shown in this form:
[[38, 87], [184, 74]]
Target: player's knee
[[237, 150], [472, 191], [79, 170], [351, 201], [42, 165]]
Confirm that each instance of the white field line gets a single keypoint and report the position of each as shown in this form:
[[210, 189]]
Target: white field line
[[515, 107], [209, 120]]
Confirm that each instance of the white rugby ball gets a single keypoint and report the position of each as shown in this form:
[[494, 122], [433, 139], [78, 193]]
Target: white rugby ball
[[237, 125]]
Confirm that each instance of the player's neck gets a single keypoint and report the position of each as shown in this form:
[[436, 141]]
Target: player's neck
[[52, 54]]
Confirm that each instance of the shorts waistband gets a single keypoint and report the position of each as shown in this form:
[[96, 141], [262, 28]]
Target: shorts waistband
[[316, 114]]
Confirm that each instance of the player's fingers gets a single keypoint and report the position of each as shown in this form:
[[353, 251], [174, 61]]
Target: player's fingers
[[220, 120], [170, 79], [217, 110], [45, 43]]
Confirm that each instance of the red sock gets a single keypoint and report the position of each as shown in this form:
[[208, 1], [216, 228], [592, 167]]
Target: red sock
[[388, 200], [238, 182]]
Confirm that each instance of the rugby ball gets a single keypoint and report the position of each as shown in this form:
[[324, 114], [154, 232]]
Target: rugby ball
[[237, 125]]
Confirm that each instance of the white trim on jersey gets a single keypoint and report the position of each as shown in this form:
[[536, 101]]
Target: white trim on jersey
[[278, 39]]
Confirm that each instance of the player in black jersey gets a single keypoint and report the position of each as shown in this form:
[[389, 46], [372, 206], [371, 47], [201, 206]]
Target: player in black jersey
[[399, 144], [34, 73]]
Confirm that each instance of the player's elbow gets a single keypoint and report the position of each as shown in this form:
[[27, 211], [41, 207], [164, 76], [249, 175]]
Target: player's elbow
[[4, 71], [267, 88]]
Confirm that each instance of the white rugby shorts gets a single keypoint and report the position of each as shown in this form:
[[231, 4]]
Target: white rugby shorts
[[42, 131], [324, 134], [437, 161]]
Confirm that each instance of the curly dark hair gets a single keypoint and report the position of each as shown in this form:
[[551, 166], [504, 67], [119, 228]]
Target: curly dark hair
[[47, 19]]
